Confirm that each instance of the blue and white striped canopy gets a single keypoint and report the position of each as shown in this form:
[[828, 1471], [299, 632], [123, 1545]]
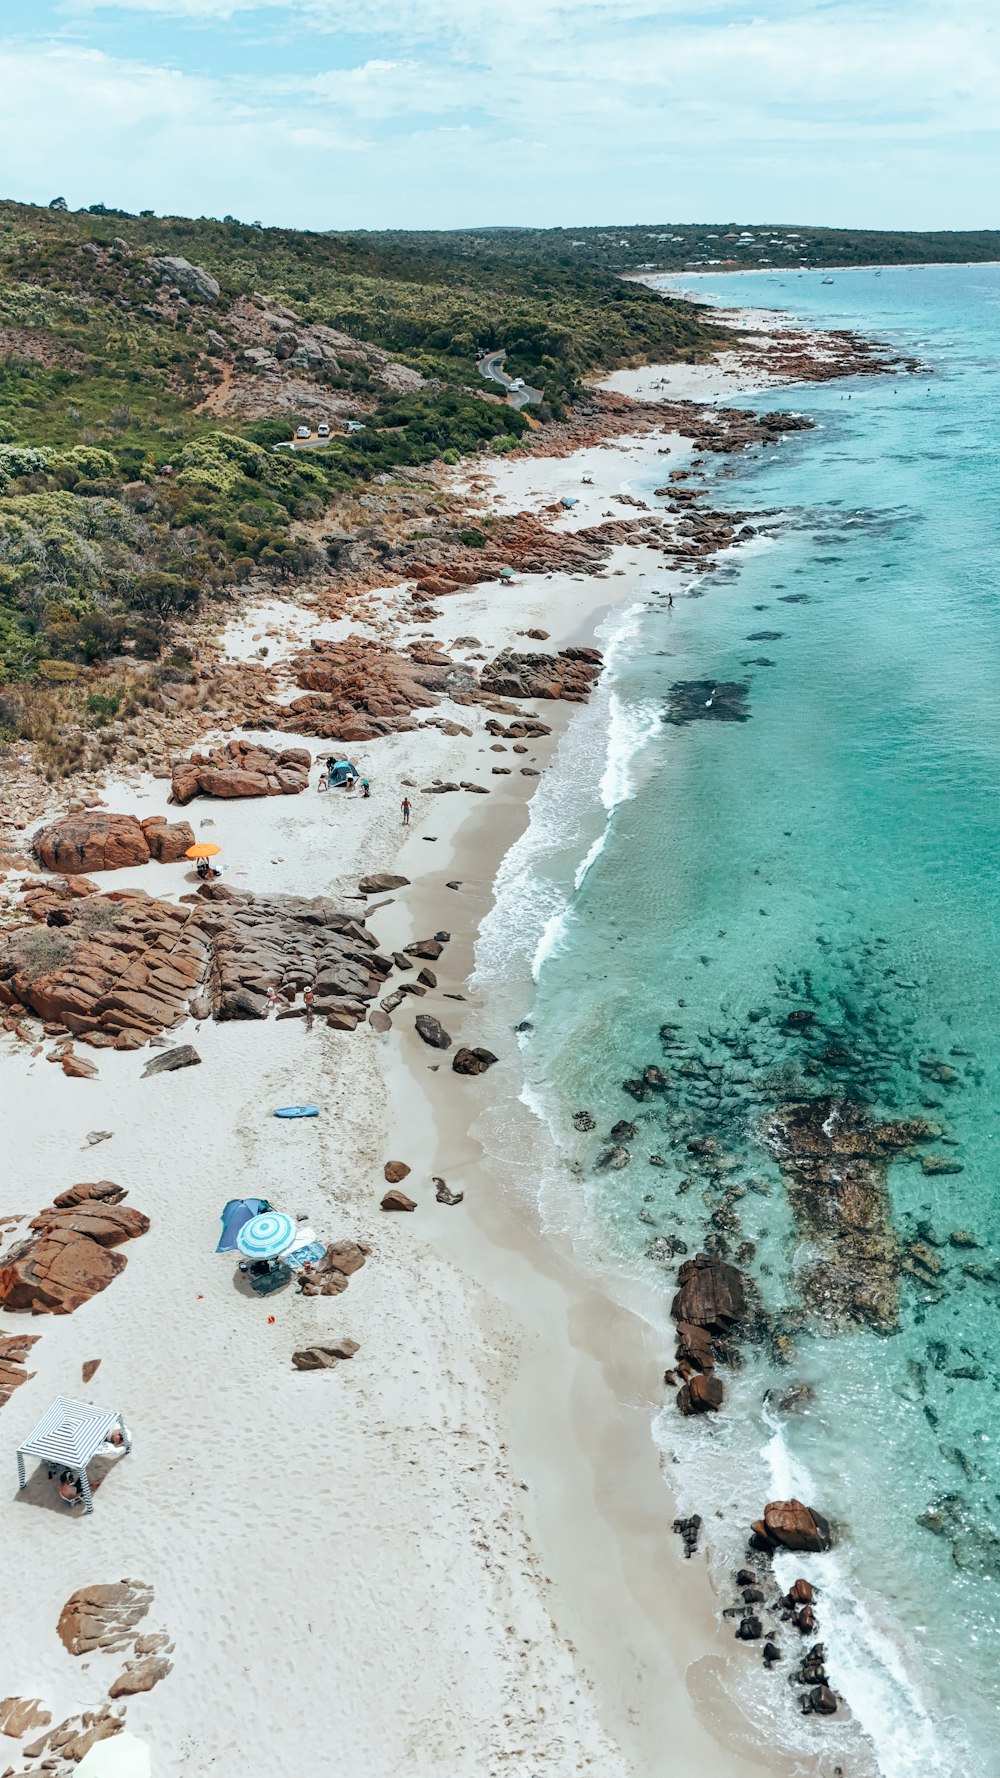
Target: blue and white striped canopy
[[267, 1236]]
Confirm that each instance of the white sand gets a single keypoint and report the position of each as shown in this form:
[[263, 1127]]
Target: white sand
[[349, 1563]]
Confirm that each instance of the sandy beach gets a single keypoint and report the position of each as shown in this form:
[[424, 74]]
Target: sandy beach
[[453, 1553]]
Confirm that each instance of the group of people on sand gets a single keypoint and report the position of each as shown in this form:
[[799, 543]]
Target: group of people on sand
[[329, 781], [69, 1485]]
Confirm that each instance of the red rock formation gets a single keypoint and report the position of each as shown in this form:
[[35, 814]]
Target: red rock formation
[[68, 1258], [711, 1294], [241, 768], [103, 1617], [94, 840]]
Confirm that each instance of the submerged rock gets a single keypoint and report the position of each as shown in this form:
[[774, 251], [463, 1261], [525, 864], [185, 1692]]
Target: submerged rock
[[834, 1156], [706, 700]]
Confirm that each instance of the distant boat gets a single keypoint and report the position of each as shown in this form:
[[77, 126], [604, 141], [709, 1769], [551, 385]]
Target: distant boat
[[826, 280]]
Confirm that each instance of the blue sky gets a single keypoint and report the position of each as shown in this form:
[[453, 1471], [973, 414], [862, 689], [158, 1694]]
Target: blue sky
[[448, 113]]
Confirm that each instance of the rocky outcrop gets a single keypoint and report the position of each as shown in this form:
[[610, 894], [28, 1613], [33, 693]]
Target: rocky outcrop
[[97, 840], [129, 968], [68, 1257], [570, 674], [103, 1617], [191, 280], [835, 1157], [356, 689], [789, 1525], [241, 768]]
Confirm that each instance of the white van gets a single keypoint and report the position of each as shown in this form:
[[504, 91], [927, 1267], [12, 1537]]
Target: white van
[[303, 432], [323, 429]]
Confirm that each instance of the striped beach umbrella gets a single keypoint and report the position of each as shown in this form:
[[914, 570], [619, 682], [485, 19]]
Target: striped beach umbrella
[[267, 1236]]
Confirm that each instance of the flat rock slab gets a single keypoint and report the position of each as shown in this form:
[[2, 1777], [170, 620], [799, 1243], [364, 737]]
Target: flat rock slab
[[397, 1200], [184, 1056], [103, 1617], [323, 1358]]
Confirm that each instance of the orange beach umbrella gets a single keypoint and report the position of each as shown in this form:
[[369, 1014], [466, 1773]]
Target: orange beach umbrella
[[204, 849]]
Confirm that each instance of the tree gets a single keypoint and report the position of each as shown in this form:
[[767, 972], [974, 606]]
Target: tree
[[58, 204]]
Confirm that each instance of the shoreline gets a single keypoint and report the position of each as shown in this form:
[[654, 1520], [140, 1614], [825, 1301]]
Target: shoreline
[[570, 1664]]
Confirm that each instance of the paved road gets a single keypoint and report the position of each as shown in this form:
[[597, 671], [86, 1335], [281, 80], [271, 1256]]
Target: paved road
[[491, 367]]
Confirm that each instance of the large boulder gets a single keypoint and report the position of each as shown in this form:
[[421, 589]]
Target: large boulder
[[700, 1395], [168, 841], [789, 1525], [242, 768], [473, 1061], [193, 280], [75, 845], [432, 1031], [711, 1294]]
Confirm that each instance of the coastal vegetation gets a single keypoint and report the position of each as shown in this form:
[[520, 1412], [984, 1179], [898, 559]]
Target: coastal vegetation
[[128, 494]]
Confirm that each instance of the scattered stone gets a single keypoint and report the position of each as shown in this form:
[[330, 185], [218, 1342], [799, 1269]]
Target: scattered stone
[[962, 1238], [89, 1369], [583, 1121], [381, 883], [168, 1061], [140, 1676], [323, 1358], [689, 1530], [940, 1163], [750, 1629], [473, 1061], [395, 1172], [614, 1158], [444, 1194], [397, 1200], [77, 1067], [432, 1032], [427, 978]]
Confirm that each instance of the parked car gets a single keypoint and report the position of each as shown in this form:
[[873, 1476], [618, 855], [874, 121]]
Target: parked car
[[303, 432]]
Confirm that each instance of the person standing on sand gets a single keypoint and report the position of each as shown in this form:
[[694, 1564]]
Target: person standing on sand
[[310, 1000], [670, 601], [405, 805]]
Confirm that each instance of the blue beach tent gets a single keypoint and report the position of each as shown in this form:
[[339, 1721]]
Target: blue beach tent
[[342, 771], [237, 1213]]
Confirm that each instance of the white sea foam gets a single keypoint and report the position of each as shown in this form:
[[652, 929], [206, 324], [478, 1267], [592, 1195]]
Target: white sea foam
[[865, 1658], [593, 771]]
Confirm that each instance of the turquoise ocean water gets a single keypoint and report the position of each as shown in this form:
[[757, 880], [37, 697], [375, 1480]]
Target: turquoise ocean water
[[836, 852]]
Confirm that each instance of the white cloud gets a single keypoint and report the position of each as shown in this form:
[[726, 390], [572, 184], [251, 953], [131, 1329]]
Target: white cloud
[[569, 111]]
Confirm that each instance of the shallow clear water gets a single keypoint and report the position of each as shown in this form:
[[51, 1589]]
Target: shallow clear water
[[837, 852]]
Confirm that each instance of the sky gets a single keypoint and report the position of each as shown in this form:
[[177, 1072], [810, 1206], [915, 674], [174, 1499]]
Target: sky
[[457, 113]]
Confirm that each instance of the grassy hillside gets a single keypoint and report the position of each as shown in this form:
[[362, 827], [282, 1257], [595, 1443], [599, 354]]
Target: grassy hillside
[[138, 418]]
